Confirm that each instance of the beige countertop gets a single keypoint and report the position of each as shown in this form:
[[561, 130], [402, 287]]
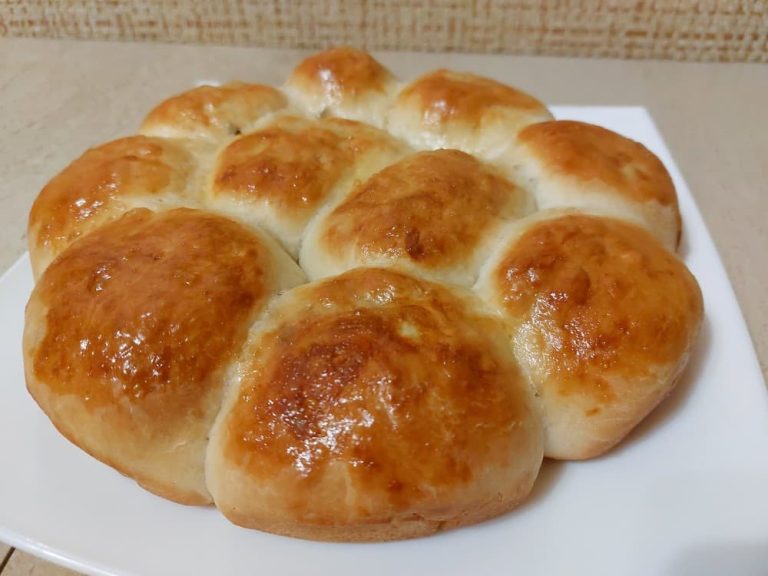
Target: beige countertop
[[59, 97]]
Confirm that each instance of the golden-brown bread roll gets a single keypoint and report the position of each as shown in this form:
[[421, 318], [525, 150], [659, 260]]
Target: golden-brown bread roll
[[279, 176], [102, 184], [446, 109], [602, 318], [343, 82], [438, 213], [569, 164], [213, 112], [128, 334], [373, 406]]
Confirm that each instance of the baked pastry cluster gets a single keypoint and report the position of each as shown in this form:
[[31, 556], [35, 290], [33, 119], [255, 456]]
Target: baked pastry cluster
[[352, 309]]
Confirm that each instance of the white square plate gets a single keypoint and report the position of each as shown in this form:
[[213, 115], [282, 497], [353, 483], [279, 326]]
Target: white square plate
[[686, 494]]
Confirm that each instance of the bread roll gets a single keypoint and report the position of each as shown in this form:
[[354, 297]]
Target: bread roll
[[213, 112], [104, 183], [570, 164], [343, 82], [602, 319], [279, 176], [373, 406], [437, 213], [129, 332], [446, 109]]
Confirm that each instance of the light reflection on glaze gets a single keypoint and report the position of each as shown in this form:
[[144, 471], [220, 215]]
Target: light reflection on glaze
[[444, 96], [594, 155], [294, 164], [214, 111], [431, 208], [150, 305], [349, 385], [340, 73], [82, 192], [582, 317]]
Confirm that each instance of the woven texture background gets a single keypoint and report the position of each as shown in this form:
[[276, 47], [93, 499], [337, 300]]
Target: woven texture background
[[715, 30]]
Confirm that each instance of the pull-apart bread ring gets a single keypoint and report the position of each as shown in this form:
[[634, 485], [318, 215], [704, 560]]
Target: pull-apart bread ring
[[352, 308]]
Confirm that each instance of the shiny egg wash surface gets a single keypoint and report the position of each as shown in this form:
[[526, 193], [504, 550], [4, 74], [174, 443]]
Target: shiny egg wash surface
[[340, 72], [444, 96], [294, 163], [595, 299], [293, 169], [133, 166], [382, 382], [147, 308], [593, 154], [214, 111], [431, 208]]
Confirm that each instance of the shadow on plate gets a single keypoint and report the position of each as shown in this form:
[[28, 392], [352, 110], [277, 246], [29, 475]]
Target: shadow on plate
[[546, 481], [723, 558], [550, 471], [685, 247]]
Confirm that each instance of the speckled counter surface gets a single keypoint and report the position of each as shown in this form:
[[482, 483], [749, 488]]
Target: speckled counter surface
[[57, 98]]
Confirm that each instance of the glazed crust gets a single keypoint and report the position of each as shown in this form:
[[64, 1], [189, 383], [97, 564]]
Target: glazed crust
[[437, 213], [213, 112], [343, 82], [446, 109], [101, 185], [374, 405], [488, 285], [579, 165], [280, 176], [128, 334], [603, 319]]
